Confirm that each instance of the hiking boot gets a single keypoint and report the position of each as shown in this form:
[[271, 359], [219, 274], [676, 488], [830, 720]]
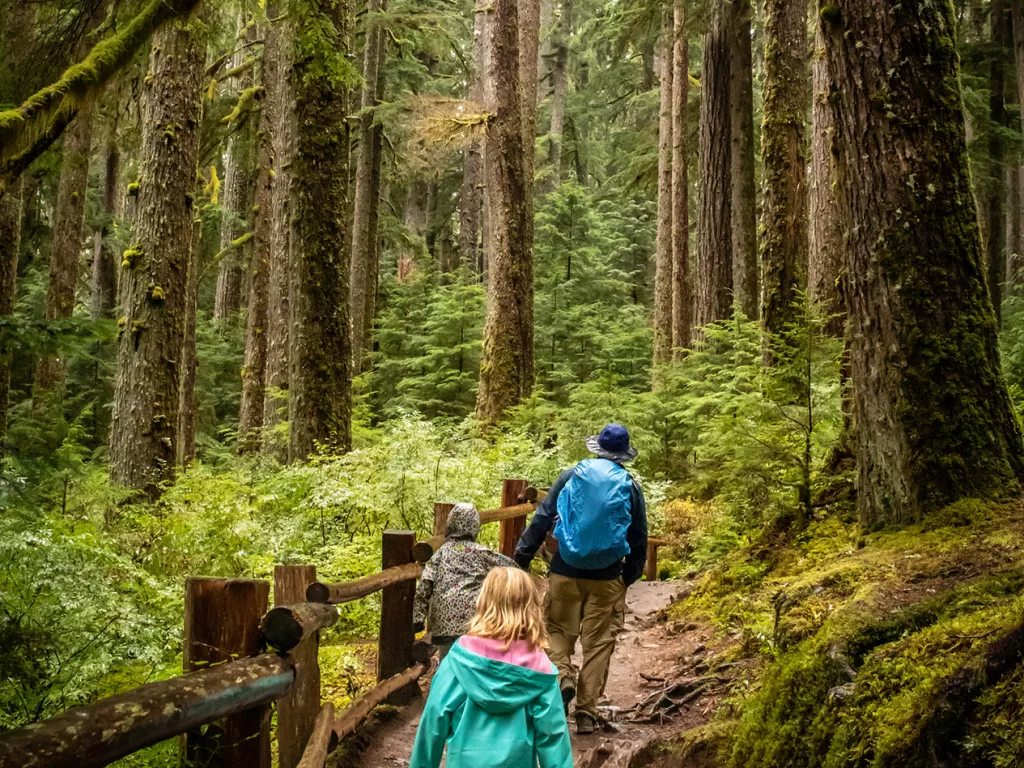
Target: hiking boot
[[568, 694], [585, 724]]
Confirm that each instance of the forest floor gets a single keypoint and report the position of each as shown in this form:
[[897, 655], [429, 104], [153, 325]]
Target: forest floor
[[646, 663]]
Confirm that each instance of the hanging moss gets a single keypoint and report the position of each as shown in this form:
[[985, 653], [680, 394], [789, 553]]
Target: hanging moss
[[78, 81]]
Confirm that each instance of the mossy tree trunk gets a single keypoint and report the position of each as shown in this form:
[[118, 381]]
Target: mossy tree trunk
[[744, 190], [682, 287], [559, 92], [825, 261], [471, 196], [934, 419], [234, 224], [507, 369], [66, 246], [254, 369], [784, 164], [995, 203], [1016, 259], [529, 75], [188, 403], [321, 387], [364, 251], [663, 237], [154, 276], [1013, 223], [714, 217], [279, 45], [104, 260]]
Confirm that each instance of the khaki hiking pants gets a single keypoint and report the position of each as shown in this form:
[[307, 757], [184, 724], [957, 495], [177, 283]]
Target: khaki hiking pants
[[591, 610]]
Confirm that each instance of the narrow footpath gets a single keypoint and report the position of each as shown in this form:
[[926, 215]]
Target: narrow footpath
[[645, 659]]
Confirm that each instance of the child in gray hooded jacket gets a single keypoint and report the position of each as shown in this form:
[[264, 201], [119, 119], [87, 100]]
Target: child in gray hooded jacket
[[452, 578]]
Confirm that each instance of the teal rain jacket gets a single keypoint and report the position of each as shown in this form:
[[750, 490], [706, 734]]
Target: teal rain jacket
[[493, 714]]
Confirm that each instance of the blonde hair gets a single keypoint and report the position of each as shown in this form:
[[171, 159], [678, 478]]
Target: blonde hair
[[509, 609]]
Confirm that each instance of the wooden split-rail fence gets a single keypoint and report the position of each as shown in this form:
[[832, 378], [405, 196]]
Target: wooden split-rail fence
[[221, 707]]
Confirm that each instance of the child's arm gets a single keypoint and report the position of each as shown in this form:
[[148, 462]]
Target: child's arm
[[551, 734], [432, 733], [424, 592]]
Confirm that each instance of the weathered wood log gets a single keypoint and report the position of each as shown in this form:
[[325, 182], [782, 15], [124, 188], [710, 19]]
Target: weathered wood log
[[285, 626], [222, 623], [651, 566], [505, 513], [347, 591], [423, 550], [322, 741], [297, 711], [396, 636], [512, 527], [359, 710], [111, 728]]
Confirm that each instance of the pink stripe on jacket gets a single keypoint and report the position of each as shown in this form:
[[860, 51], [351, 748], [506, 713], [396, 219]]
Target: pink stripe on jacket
[[518, 653]]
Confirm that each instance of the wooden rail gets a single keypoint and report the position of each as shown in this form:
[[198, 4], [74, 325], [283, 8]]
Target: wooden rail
[[348, 591], [112, 728]]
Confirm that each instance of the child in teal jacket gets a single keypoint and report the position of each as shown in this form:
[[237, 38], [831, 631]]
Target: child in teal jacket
[[495, 700]]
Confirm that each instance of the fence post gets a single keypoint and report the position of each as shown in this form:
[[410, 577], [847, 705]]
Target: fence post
[[441, 512], [222, 619], [394, 646], [297, 711], [511, 529], [651, 566]]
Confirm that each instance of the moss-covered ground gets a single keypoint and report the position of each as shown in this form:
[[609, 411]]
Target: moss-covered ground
[[897, 648]]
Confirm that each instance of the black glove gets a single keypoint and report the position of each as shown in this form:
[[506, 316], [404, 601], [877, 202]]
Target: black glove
[[417, 627], [523, 560]]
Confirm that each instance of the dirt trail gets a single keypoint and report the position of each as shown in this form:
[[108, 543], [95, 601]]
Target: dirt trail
[[643, 649]]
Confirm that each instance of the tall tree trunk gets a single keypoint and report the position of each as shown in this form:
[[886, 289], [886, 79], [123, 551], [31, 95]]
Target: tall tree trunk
[[471, 198], [153, 285], [825, 264], [10, 250], [321, 387], [188, 404], [934, 419], [682, 288], [1013, 224], [363, 237], [996, 198], [506, 370], [278, 55], [663, 239], [784, 164], [66, 247], [228, 297], [559, 93], [104, 263], [714, 217], [529, 47], [1017, 11], [254, 370], [546, 48], [741, 124]]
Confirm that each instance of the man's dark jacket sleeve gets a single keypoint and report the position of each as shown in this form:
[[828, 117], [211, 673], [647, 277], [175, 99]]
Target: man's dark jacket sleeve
[[636, 537], [542, 523]]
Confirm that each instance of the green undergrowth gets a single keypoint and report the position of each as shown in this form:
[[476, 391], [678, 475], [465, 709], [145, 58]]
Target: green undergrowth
[[900, 648]]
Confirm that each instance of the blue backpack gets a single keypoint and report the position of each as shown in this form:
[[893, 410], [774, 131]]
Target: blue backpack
[[594, 513]]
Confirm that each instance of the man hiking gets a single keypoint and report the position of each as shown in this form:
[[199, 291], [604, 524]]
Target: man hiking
[[599, 518]]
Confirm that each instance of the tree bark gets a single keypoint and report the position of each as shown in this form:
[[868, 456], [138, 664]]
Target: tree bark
[[825, 265], [321, 387], [66, 246], [663, 250], [144, 431], [529, 50], [741, 124], [228, 297], [188, 404], [279, 45], [1017, 31], [10, 250], [506, 370], [682, 288], [784, 165], [471, 197], [934, 419], [1013, 224], [104, 265], [364, 275], [254, 370], [996, 199], [714, 218], [559, 93]]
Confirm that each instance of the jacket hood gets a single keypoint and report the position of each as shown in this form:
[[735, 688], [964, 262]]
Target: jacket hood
[[463, 523], [496, 686]]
